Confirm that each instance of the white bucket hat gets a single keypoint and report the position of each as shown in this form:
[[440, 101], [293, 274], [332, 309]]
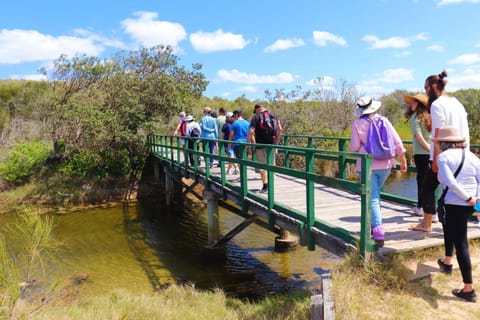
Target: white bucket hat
[[189, 118], [366, 105]]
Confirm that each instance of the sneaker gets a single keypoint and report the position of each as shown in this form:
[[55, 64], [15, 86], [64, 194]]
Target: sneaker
[[435, 218], [470, 296], [235, 172], [418, 211], [264, 190], [446, 268]]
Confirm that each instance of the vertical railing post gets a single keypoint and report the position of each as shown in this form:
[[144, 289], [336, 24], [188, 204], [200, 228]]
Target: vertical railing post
[[342, 168], [271, 185], [243, 176], [310, 194], [366, 244], [168, 187], [287, 157]]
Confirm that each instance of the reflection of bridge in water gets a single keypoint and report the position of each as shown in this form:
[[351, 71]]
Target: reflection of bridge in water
[[327, 211]]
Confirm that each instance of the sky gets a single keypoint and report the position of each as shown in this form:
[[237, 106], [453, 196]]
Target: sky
[[248, 46]]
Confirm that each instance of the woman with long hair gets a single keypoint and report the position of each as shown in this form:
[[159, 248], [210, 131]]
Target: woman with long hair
[[418, 114]]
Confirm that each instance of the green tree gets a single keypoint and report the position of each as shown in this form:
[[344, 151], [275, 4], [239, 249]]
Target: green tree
[[113, 104]]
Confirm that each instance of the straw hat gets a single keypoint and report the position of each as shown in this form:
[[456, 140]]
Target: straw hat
[[448, 134], [420, 97], [366, 105]]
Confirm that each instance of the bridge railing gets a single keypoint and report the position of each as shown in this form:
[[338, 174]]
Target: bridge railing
[[170, 149]]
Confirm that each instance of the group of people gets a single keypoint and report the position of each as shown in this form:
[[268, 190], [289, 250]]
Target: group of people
[[441, 152], [234, 130]]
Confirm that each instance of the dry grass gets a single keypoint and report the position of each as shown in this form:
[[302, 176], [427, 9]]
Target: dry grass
[[382, 291]]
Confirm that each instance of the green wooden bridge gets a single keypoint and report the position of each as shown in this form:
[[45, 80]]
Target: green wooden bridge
[[330, 209]]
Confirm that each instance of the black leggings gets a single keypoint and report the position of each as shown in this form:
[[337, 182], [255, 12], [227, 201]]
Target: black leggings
[[427, 193], [455, 235], [421, 163]]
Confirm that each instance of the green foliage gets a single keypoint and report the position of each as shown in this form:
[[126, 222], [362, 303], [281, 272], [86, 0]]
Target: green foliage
[[97, 163], [23, 160]]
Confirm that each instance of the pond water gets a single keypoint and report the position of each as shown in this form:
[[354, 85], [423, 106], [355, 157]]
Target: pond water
[[144, 246]]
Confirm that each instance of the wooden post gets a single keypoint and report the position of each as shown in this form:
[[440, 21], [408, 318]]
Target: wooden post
[[156, 171], [213, 217], [168, 188]]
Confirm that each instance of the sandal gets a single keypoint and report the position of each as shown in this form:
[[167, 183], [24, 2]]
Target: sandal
[[470, 296], [419, 227]]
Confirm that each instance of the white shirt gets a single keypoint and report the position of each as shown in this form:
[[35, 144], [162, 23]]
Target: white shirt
[[448, 111], [467, 183]]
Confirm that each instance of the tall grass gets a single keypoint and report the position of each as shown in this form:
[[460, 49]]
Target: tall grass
[[24, 244]]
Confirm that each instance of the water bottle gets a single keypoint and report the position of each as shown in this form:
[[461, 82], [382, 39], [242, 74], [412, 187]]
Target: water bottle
[[477, 211], [477, 206]]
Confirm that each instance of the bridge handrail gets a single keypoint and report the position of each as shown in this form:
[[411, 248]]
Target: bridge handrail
[[170, 149]]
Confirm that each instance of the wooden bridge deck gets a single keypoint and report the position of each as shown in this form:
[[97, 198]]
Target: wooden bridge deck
[[341, 208]]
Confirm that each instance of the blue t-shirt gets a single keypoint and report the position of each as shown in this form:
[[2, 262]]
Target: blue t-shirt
[[240, 127]]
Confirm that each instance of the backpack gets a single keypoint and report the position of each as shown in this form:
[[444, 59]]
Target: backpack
[[266, 129], [380, 142], [195, 133], [183, 128]]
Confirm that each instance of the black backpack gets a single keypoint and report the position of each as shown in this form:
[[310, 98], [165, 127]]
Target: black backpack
[[267, 128]]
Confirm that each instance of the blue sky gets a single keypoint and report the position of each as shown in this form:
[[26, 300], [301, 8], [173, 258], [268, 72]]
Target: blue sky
[[248, 46]]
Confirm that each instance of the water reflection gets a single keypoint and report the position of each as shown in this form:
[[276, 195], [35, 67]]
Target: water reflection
[[146, 246]]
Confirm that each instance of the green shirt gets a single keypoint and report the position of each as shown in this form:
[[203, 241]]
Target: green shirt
[[416, 126]]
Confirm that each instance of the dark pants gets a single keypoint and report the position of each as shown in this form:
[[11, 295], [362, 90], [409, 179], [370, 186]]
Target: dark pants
[[209, 147], [421, 163], [455, 235], [190, 146], [427, 193]]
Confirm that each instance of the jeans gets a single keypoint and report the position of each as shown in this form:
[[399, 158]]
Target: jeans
[[209, 147], [378, 180]]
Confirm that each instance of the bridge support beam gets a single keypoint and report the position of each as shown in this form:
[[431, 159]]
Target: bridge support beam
[[156, 171], [213, 217], [168, 187]]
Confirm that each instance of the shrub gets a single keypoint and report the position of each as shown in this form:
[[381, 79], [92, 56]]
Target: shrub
[[22, 160], [97, 163]]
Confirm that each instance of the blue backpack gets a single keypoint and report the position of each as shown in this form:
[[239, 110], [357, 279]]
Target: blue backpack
[[380, 142]]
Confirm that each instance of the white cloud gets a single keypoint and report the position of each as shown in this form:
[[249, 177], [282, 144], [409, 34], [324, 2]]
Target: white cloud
[[435, 48], [393, 42], [404, 53], [396, 75], [284, 44], [29, 45], [322, 38], [470, 78], [447, 2], [251, 78], [35, 77], [149, 32], [217, 41], [421, 37], [469, 58]]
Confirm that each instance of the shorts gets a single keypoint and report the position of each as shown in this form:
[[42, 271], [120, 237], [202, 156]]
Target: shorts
[[260, 156], [229, 152]]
